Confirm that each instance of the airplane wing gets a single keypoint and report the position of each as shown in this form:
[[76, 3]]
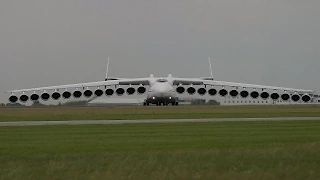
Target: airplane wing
[[195, 81], [131, 81]]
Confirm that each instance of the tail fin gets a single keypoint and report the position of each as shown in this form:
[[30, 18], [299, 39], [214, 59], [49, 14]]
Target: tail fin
[[210, 68], [107, 69]]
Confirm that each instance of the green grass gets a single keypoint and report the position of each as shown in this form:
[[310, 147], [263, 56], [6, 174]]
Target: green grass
[[105, 113], [222, 150]]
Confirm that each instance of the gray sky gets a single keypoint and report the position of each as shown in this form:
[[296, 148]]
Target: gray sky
[[53, 42]]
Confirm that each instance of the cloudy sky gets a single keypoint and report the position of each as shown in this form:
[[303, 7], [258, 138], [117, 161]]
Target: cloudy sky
[[53, 42]]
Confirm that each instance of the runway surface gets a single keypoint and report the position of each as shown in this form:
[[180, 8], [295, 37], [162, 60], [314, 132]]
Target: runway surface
[[79, 122]]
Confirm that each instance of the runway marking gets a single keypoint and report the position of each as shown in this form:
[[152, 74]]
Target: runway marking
[[84, 122]]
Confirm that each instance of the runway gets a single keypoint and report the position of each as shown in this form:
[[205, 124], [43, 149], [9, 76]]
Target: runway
[[88, 122]]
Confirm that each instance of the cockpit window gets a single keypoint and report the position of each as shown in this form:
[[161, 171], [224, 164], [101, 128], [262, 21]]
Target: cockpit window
[[162, 80]]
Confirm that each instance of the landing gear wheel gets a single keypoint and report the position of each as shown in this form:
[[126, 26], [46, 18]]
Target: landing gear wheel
[[177, 103]]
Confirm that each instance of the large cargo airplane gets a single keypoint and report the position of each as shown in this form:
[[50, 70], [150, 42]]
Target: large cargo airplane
[[161, 91]]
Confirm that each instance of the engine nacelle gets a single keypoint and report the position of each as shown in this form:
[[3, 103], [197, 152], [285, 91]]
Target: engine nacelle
[[56, 96], [180, 89], [306, 98], [24, 98], [13, 99], [285, 97], [87, 93], [295, 97], [131, 91], [223, 92], [191, 90], [66, 95], [98, 92], [45, 96], [254, 94], [244, 94], [120, 91], [275, 96], [264, 95], [34, 97], [77, 94], [234, 93], [212, 92], [110, 92], [141, 90], [202, 91]]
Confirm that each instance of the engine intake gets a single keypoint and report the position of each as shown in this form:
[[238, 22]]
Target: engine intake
[[13, 99], [244, 94], [77, 94], [306, 98], [141, 90], [295, 97], [264, 95], [191, 90], [212, 92], [285, 97], [234, 93], [66, 95], [34, 97], [254, 94], [55, 96], [87, 93], [131, 90], [223, 92], [202, 91], [275, 96], [180, 90], [45, 96], [98, 92], [120, 91], [109, 92], [24, 98]]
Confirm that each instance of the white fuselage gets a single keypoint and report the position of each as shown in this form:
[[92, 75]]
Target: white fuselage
[[161, 91]]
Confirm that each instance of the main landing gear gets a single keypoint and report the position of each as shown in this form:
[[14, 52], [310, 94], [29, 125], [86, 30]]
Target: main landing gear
[[162, 104]]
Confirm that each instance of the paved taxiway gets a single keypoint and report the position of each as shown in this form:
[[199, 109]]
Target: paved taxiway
[[79, 122]]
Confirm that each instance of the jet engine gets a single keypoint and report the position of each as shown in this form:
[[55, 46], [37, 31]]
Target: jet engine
[[45, 96], [285, 97], [234, 93], [295, 97], [264, 95], [191, 90], [223, 92], [274, 96], [254, 94], [34, 97], [55, 95], [109, 92], [77, 94], [120, 91], [244, 94], [306, 98], [13, 99], [141, 90], [66, 95], [98, 92], [202, 91], [87, 93], [212, 92], [24, 98], [131, 90], [180, 89]]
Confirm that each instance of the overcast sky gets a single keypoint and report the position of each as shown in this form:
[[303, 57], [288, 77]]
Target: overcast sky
[[53, 42]]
